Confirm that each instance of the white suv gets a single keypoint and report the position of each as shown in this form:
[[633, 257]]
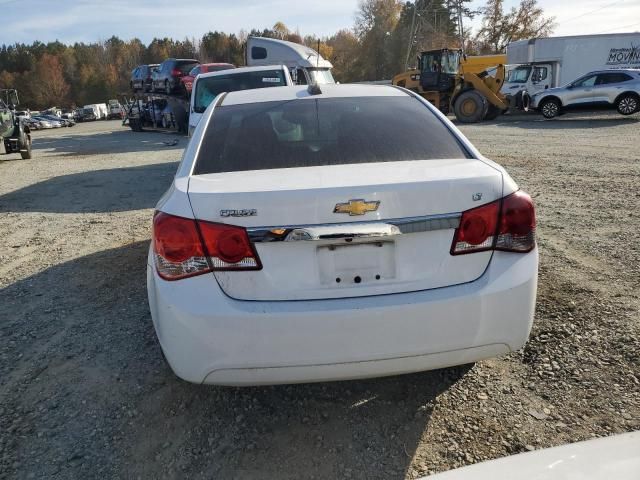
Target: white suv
[[344, 233]]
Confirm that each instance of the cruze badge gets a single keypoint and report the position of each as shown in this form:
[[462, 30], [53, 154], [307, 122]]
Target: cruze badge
[[249, 212], [356, 207]]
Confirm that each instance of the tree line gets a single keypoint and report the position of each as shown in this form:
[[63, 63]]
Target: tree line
[[386, 36]]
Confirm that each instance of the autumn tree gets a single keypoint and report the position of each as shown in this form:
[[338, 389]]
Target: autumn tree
[[344, 55], [50, 86], [375, 22], [498, 29], [7, 79]]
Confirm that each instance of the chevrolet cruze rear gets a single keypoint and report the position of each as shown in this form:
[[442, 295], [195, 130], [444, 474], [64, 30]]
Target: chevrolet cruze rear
[[348, 233]]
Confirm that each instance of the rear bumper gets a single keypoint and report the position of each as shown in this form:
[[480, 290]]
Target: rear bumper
[[208, 337]]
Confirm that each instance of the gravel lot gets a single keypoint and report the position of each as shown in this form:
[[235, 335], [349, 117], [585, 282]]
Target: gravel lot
[[85, 392]]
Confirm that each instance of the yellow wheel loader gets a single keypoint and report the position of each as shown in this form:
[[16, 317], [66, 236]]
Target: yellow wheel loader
[[467, 86]]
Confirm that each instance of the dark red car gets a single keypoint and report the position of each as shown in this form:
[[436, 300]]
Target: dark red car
[[187, 80]]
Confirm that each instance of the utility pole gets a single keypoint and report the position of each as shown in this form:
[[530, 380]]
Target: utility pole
[[461, 26], [411, 33], [419, 23]]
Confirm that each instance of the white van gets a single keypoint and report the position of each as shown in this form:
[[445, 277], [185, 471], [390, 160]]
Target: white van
[[305, 64], [207, 86]]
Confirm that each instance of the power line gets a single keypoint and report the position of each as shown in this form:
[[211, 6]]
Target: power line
[[592, 11], [617, 28]]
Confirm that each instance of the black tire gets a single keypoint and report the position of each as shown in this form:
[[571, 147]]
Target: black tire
[[470, 107], [135, 125], [549, 108], [628, 104], [167, 87], [493, 112], [25, 152]]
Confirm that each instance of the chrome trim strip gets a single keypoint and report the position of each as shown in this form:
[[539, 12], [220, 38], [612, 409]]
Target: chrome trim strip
[[360, 229]]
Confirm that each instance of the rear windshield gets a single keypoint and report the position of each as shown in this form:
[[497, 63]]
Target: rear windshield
[[330, 131], [209, 88], [185, 66]]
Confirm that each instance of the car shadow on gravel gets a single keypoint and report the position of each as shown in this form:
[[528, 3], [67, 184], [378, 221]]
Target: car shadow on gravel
[[565, 122], [104, 143], [97, 191], [94, 397]]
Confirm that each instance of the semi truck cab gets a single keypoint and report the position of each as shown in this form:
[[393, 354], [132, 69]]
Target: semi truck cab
[[305, 64]]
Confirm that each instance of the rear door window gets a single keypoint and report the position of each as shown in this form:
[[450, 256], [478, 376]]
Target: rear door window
[[607, 78], [330, 131], [208, 88]]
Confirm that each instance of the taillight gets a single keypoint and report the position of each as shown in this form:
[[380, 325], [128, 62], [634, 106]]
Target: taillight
[[229, 247], [176, 73], [184, 247], [508, 224]]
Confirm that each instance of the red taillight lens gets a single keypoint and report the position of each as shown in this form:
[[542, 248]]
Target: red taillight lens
[[184, 247], [176, 73], [507, 224], [229, 247], [517, 224], [177, 246], [477, 229]]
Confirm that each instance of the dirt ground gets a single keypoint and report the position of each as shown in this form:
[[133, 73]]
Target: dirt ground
[[85, 392]]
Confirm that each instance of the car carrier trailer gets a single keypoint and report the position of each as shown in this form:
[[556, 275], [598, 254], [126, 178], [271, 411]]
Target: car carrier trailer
[[148, 111]]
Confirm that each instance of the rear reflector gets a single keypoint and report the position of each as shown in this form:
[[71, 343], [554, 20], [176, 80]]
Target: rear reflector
[[184, 247], [508, 224]]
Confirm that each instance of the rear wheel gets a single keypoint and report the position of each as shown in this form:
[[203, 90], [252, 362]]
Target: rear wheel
[[628, 104], [470, 107], [550, 108]]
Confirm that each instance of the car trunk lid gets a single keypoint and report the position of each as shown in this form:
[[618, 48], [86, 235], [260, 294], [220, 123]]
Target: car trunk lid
[[348, 230]]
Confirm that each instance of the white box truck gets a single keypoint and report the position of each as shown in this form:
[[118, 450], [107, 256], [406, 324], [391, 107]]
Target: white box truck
[[99, 109], [115, 110], [540, 63], [305, 64], [104, 111]]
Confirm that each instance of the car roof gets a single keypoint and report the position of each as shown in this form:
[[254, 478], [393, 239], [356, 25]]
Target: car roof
[[616, 70], [236, 71], [300, 92]]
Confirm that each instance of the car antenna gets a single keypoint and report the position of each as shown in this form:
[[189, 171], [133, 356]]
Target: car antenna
[[314, 89]]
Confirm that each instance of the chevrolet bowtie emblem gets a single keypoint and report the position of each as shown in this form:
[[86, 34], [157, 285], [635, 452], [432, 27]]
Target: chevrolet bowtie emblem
[[356, 207]]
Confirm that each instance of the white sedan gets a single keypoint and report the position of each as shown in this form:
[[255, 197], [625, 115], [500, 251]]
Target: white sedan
[[345, 233]]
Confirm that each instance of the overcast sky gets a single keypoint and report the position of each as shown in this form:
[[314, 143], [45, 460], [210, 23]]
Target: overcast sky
[[89, 20]]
